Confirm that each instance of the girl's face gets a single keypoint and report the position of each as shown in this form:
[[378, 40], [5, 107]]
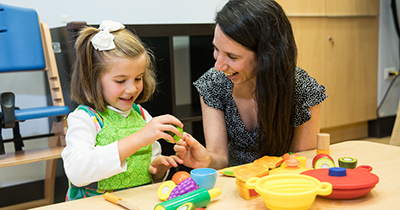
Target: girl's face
[[237, 62], [123, 82]]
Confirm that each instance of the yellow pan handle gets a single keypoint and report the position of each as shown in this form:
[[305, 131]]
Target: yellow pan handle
[[251, 182], [112, 198], [325, 188]]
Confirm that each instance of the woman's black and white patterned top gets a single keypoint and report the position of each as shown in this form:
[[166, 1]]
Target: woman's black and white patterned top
[[216, 90]]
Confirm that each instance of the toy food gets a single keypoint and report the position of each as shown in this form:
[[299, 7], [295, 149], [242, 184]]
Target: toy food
[[187, 206], [165, 190], [301, 159], [289, 191], [228, 171], [176, 138], [244, 173], [187, 185], [179, 176], [323, 161], [323, 143], [346, 183], [290, 166], [347, 162], [289, 155], [200, 198], [270, 161]]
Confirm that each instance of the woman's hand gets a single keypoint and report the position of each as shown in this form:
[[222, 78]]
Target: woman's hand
[[193, 154], [161, 164]]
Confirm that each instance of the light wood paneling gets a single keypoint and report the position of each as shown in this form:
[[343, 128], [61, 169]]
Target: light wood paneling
[[351, 70], [395, 139], [303, 7], [330, 7], [337, 44], [347, 132], [352, 7]]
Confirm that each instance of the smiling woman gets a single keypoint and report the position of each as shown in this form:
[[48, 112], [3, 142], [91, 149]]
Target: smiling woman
[[237, 62], [255, 101]]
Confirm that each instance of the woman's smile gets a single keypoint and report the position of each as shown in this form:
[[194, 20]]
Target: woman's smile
[[230, 74]]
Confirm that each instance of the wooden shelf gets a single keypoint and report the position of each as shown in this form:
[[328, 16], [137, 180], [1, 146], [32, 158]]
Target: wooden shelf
[[30, 156], [189, 112], [28, 205], [169, 30]]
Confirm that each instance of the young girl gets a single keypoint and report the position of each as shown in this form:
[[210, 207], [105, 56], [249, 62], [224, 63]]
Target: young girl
[[112, 141]]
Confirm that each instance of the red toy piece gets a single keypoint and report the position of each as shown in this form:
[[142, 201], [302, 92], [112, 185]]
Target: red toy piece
[[323, 161], [346, 183]]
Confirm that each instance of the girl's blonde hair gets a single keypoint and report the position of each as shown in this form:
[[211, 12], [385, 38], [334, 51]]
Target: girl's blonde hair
[[91, 65]]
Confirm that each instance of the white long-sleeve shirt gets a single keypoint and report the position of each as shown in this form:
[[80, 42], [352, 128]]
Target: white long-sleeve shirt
[[84, 162]]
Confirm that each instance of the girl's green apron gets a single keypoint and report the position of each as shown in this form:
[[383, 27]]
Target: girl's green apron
[[113, 128]]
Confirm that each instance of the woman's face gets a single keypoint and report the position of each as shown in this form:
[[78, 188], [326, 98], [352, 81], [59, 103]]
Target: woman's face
[[237, 62], [123, 82]]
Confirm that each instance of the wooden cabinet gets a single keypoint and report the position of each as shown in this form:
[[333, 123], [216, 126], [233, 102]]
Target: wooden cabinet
[[338, 45]]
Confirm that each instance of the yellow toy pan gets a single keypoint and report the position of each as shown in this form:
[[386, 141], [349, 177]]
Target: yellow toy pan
[[288, 191]]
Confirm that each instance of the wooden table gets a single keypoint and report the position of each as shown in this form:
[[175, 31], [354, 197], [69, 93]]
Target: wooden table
[[383, 158]]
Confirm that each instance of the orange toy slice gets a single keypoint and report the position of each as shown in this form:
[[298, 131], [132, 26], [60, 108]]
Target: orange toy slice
[[179, 176]]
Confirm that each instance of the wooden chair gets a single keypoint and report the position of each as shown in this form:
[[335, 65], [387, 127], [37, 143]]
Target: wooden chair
[[25, 45], [395, 138]]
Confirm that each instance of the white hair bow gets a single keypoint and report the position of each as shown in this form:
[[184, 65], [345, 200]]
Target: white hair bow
[[104, 40]]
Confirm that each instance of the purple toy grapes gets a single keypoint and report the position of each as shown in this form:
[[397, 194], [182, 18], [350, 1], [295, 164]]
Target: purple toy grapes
[[187, 185]]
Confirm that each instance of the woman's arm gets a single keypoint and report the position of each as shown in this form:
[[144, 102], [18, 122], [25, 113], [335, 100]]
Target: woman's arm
[[195, 155], [305, 135], [215, 135]]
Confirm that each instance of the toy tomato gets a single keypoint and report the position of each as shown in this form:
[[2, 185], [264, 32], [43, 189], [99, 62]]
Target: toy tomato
[[289, 155], [323, 161], [179, 176]]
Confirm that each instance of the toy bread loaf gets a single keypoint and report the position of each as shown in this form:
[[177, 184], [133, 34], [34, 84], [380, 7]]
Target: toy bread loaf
[[247, 171], [270, 161]]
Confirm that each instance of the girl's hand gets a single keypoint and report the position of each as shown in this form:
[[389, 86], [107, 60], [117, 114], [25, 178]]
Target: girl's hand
[[155, 129], [150, 133], [161, 164], [193, 154]]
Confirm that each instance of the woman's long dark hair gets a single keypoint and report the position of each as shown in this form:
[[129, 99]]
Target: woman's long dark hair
[[263, 27]]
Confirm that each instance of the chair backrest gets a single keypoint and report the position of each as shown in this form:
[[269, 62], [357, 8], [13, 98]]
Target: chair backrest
[[25, 45], [20, 40]]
